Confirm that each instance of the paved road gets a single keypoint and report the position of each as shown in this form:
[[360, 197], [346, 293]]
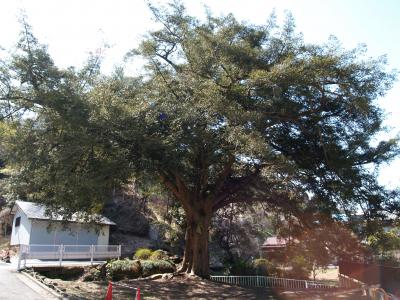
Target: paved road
[[15, 286]]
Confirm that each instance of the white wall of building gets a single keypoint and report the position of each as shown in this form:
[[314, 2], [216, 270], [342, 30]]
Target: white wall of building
[[104, 235], [21, 234], [45, 232], [56, 233]]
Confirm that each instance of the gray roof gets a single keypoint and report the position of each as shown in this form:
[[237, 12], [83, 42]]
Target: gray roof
[[38, 211]]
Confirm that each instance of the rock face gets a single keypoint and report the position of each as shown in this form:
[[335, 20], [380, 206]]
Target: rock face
[[6, 220], [139, 225], [128, 213], [133, 219]]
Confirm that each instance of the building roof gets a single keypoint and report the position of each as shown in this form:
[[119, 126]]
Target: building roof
[[274, 242], [38, 211]]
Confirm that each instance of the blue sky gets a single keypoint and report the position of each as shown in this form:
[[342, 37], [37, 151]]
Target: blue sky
[[73, 28]]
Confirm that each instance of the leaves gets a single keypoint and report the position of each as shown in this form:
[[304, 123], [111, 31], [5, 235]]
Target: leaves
[[225, 112]]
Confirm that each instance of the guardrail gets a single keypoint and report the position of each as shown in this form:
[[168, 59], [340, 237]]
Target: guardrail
[[271, 282], [67, 252], [349, 282]]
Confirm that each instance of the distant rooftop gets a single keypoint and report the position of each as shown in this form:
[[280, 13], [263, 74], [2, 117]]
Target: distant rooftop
[[274, 242], [38, 211]]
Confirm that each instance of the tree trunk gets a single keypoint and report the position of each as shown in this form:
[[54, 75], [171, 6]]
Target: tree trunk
[[196, 258]]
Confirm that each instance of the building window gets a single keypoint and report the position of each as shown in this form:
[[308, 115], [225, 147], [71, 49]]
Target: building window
[[17, 221]]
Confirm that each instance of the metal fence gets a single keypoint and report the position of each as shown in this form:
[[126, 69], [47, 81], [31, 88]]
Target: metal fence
[[271, 282], [349, 282], [68, 252]]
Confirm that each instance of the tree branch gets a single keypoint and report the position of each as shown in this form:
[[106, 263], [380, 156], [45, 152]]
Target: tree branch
[[223, 175], [236, 185], [170, 185]]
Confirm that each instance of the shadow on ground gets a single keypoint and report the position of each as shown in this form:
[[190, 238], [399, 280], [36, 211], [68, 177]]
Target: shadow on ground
[[192, 288]]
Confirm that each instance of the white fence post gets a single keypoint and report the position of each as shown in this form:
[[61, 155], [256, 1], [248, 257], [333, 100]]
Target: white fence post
[[66, 252], [265, 281], [91, 254], [60, 253], [19, 258]]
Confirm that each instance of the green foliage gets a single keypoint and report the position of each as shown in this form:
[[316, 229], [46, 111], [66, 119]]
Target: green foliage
[[94, 274], [383, 241], [128, 269], [301, 268], [143, 253], [159, 255], [215, 93], [226, 112], [388, 259], [151, 267], [265, 267], [261, 266], [241, 267], [123, 269]]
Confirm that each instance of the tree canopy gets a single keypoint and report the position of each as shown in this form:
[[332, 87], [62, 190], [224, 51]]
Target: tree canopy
[[224, 112]]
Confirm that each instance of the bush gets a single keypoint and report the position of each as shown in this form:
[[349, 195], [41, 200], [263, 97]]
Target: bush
[[92, 274], [123, 269], [159, 255], [242, 268], [300, 268], [265, 267], [143, 253], [150, 267], [261, 266]]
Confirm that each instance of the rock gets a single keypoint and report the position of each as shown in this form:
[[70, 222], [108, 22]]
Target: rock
[[155, 276], [176, 259], [167, 276], [127, 212]]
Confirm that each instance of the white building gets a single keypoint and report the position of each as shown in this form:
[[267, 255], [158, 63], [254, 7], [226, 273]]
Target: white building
[[32, 226]]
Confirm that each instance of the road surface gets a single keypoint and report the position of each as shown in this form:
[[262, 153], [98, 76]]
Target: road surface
[[15, 286]]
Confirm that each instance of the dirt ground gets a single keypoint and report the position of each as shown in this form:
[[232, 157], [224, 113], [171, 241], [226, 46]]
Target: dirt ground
[[192, 288]]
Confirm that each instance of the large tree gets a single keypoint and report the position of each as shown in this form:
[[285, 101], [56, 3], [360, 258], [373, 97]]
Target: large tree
[[224, 112]]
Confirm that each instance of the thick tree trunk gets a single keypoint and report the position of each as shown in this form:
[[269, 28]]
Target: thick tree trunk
[[196, 258]]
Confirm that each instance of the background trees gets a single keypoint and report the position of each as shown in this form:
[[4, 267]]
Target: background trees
[[224, 112]]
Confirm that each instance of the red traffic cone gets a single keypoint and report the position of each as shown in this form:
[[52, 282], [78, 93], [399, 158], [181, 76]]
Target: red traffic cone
[[138, 294], [109, 291]]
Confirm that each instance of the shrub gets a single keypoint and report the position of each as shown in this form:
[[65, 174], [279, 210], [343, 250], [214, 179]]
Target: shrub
[[150, 267], [300, 268], [241, 268], [143, 253], [159, 255], [92, 274], [123, 269], [265, 267], [261, 266]]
